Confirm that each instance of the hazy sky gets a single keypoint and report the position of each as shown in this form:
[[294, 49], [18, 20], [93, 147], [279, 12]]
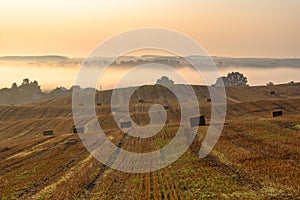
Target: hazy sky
[[256, 28]]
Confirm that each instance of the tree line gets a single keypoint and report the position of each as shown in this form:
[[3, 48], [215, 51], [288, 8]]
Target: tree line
[[30, 91]]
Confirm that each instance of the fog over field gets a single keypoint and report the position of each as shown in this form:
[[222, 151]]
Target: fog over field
[[53, 71]]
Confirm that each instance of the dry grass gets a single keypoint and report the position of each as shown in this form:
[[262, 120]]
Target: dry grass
[[257, 157]]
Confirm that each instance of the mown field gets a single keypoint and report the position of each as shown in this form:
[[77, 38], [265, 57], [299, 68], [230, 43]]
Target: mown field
[[256, 157]]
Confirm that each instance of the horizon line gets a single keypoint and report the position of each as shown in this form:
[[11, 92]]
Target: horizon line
[[212, 56]]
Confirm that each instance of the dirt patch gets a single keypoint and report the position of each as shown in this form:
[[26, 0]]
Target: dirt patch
[[286, 124], [4, 149]]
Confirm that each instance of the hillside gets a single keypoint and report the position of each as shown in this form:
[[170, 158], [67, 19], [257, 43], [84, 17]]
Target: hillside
[[257, 156]]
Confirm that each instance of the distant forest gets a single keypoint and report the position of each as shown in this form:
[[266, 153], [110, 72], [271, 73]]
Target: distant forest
[[29, 91]]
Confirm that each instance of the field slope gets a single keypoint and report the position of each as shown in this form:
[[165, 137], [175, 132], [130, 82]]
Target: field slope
[[256, 157]]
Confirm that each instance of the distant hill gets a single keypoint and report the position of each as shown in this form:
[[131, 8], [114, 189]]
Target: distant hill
[[34, 58], [174, 61], [257, 62]]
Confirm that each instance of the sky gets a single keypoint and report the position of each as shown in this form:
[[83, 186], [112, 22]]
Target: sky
[[268, 28]]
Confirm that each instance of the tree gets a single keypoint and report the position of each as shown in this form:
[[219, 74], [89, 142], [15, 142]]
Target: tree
[[25, 81], [165, 81], [270, 83], [35, 83], [14, 86], [232, 79], [59, 91]]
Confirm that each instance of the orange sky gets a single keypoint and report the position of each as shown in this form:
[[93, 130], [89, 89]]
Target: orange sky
[[268, 28]]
